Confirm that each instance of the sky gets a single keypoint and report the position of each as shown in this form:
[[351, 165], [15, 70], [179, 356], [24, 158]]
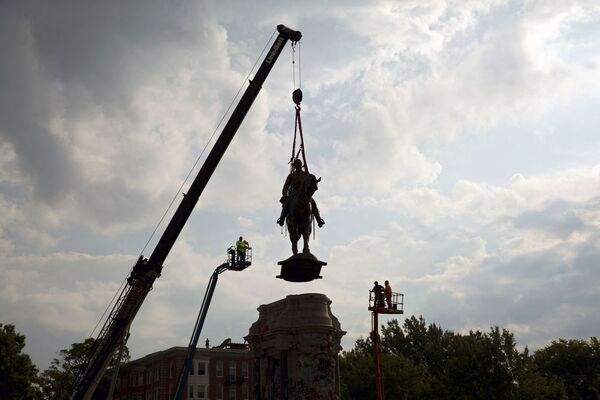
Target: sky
[[457, 143]]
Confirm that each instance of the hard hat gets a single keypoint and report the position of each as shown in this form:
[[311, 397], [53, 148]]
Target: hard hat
[[297, 163]]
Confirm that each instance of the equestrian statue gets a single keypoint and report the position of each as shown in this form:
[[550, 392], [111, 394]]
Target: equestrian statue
[[298, 205]]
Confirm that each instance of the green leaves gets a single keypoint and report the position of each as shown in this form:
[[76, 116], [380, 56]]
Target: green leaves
[[424, 361], [17, 372], [56, 382]]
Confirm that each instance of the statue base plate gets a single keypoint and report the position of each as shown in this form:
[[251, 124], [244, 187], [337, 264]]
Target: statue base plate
[[302, 267]]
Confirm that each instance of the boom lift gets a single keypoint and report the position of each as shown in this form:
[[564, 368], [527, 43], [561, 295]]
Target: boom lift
[[146, 270], [233, 265], [377, 306]]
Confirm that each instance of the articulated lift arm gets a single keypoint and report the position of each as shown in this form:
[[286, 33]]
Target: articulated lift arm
[[212, 283], [146, 271], [189, 358]]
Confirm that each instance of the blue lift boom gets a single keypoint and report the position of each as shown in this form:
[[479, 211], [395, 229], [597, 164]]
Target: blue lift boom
[[233, 265]]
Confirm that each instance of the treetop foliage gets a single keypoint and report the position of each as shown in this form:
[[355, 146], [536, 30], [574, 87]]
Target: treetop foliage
[[17, 372], [424, 361]]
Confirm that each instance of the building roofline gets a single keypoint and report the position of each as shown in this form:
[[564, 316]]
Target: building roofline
[[180, 349]]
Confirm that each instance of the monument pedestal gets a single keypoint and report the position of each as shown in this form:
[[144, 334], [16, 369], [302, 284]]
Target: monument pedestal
[[295, 343], [301, 267]]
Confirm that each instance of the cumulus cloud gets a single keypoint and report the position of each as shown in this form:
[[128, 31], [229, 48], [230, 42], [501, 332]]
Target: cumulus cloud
[[106, 106]]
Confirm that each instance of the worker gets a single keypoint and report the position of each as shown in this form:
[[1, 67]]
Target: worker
[[293, 181], [377, 295], [387, 290], [241, 246], [231, 251]]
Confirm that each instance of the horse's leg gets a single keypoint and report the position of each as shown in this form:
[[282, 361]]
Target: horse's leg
[[306, 237], [294, 239], [306, 249]]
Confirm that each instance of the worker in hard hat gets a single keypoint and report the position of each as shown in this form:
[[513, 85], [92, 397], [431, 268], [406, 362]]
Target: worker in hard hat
[[241, 247], [293, 181], [377, 295]]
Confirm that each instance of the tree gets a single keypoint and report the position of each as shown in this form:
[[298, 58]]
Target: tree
[[17, 372], [358, 374], [576, 363], [56, 382], [422, 361]]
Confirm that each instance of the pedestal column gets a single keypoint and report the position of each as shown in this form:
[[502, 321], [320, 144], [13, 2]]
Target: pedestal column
[[295, 343]]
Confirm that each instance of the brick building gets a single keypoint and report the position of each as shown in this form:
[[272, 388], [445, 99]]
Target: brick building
[[219, 373]]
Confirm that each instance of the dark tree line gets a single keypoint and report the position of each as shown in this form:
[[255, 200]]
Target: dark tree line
[[423, 361], [20, 380], [420, 361]]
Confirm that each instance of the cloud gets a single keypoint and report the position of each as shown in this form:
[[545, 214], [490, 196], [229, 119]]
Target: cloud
[[107, 106], [511, 71]]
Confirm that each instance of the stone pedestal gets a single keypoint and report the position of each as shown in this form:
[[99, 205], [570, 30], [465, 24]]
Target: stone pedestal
[[295, 343]]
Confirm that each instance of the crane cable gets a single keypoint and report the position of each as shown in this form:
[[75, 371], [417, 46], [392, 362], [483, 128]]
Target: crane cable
[[297, 98]]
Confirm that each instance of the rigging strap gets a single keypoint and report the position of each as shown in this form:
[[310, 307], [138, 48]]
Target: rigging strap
[[297, 97]]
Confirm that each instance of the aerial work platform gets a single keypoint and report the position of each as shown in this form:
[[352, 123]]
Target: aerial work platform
[[380, 306], [238, 262]]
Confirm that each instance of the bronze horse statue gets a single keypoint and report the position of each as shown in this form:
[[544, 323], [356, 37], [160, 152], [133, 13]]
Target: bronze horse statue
[[301, 209]]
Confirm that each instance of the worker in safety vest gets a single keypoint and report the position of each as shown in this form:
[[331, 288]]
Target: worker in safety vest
[[292, 183], [241, 246]]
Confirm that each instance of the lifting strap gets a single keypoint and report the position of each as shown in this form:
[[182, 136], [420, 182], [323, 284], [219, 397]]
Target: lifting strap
[[297, 97]]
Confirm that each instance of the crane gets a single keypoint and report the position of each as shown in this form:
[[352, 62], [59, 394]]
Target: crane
[[233, 265], [147, 270]]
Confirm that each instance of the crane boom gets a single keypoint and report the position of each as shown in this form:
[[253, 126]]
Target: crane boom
[[146, 271]]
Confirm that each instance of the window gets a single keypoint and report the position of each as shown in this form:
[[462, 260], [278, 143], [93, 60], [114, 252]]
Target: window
[[219, 368], [201, 368], [245, 391], [157, 374], [149, 373], [231, 393], [245, 369], [202, 392], [232, 370], [191, 396], [192, 368], [220, 391]]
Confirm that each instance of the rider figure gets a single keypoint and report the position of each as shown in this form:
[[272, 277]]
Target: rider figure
[[292, 183]]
